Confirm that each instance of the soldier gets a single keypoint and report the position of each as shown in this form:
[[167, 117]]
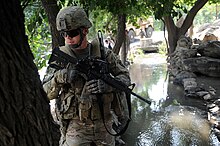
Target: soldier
[[77, 106]]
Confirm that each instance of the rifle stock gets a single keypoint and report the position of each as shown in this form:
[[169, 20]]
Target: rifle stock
[[86, 66]]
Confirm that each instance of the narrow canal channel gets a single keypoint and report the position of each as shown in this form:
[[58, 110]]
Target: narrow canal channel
[[171, 119]]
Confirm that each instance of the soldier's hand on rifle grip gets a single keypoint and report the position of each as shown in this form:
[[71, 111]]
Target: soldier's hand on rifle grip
[[98, 86], [72, 75], [65, 76]]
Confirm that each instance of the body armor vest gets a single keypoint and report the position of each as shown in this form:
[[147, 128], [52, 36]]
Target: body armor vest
[[74, 101]]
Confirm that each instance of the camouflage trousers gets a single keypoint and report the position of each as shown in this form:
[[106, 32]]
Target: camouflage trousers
[[84, 134]]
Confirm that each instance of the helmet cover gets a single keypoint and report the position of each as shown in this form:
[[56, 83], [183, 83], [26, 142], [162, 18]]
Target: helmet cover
[[72, 17]]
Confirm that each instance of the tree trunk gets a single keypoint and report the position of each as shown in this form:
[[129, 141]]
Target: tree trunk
[[25, 112], [123, 55], [121, 33], [51, 9], [174, 32]]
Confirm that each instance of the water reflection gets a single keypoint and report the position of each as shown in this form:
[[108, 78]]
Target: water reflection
[[150, 79], [171, 120]]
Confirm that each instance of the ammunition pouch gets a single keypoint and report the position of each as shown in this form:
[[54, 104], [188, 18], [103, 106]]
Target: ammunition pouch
[[67, 106]]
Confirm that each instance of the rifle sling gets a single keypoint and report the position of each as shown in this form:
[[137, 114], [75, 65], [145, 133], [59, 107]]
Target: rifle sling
[[122, 131]]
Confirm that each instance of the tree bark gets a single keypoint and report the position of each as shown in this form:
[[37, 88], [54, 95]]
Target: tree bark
[[172, 31], [123, 55], [51, 8], [25, 112], [121, 33]]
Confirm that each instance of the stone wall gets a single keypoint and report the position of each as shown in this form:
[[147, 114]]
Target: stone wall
[[187, 63], [190, 60]]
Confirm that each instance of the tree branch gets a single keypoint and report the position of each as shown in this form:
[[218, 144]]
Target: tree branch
[[191, 14]]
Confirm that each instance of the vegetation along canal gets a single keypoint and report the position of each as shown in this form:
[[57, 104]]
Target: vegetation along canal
[[171, 119]]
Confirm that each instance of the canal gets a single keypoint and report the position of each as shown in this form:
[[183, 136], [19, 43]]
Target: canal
[[171, 119]]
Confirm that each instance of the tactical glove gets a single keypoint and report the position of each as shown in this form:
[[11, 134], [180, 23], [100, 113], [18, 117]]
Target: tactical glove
[[65, 76], [98, 86], [72, 75]]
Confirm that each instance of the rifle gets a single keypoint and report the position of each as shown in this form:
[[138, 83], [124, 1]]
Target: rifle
[[102, 49], [92, 68]]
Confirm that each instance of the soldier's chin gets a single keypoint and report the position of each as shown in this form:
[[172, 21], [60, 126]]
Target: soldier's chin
[[73, 46]]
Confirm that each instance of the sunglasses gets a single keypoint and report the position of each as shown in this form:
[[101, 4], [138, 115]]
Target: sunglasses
[[71, 33]]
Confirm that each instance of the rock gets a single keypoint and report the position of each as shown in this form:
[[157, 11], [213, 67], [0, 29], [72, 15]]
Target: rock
[[210, 49], [203, 65], [202, 93], [189, 84], [207, 28], [211, 105], [184, 42], [145, 42], [207, 97], [209, 37], [214, 110], [217, 102], [188, 61], [183, 75], [183, 51], [211, 90]]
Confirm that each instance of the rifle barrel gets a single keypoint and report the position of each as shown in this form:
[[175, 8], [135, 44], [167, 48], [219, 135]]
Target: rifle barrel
[[143, 99]]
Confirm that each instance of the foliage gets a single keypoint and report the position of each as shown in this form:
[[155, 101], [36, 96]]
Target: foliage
[[206, 15], [103, 16], [37, 24], [173, 8], [108, 25], [112, 8], [38, 31], [162, 48], [158, 25]]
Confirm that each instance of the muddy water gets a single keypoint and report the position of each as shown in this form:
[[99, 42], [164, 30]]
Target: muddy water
[[171, 119]]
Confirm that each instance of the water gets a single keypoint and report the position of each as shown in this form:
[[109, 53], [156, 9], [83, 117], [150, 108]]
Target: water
[[171, 119]]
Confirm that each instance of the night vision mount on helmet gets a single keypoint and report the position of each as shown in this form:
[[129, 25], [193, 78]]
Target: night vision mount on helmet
[[72, 17]]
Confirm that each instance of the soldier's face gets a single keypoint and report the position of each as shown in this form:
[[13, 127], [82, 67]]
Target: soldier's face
[[71, 37], [71, 33], [72, 40]]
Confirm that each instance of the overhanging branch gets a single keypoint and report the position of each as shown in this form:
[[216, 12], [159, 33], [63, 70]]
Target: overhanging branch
[[191, 14]]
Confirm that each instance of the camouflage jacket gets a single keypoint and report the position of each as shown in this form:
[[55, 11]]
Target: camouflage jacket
[[70, 97]]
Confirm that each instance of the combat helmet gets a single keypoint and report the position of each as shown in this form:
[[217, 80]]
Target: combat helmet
[[72, 17]]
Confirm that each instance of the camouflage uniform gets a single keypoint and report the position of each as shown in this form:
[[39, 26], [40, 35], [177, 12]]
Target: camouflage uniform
[[77, 110]]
